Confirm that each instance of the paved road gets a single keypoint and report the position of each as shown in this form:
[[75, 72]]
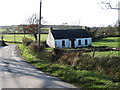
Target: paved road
[[17, 73]]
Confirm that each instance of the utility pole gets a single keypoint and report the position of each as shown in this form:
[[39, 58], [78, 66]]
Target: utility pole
[[14, 36], [39, 27]]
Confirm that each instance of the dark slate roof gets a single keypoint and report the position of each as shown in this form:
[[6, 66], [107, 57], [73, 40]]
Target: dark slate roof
[[70, 34]]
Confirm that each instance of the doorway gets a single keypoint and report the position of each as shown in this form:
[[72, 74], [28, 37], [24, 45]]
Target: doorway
[[72, 43]]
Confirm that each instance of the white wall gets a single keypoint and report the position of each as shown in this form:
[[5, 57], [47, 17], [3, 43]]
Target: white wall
[[89, 40], [58, 43], [50, 40]]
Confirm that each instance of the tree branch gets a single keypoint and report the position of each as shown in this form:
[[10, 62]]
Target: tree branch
[[109, 6]]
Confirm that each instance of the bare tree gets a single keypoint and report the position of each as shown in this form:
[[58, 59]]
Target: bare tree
[[33, 25], [109, 6], [33, 19]]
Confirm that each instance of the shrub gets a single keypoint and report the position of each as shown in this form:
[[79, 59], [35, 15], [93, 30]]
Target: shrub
[[44, 44], [26, 41], [44, 55], [58, 53], [34, 47], [2, 43]]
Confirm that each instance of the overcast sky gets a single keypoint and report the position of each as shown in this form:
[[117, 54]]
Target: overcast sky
[[77, 12]]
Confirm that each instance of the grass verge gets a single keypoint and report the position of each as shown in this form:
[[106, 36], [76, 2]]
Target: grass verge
[[80, 78]]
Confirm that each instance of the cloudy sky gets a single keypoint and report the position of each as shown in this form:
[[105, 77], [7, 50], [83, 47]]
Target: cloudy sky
[[73, 12]]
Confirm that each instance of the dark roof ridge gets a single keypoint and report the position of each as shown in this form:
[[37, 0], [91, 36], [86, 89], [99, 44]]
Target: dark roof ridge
[[70, 33], [67, 29]]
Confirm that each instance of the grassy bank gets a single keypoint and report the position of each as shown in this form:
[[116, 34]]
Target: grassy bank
[[81, 78]]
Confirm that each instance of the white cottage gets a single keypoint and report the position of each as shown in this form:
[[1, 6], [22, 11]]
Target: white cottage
[[68, 38]]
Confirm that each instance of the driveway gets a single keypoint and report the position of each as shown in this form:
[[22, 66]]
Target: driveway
[[17, 73]]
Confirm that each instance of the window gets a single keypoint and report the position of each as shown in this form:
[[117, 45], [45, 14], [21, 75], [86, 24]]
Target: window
[[86, 43], [79, 42], [63, 43]]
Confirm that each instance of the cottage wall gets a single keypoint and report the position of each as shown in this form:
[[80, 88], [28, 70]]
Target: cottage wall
[[50, 40], [89, 41], [58, 43]]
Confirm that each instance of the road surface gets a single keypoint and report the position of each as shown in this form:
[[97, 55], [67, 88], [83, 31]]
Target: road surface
[[17, 73]]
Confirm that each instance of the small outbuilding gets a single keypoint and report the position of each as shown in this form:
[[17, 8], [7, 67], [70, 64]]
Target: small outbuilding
[[68, 38]]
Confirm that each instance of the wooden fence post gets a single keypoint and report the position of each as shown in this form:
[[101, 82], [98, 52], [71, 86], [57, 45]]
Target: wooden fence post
[[93, 54]]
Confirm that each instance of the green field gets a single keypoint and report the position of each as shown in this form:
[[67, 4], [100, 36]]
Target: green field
[[18, 37], [109, 41]]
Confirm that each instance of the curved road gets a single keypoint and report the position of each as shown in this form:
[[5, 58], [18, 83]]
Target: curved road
[[17, 73]]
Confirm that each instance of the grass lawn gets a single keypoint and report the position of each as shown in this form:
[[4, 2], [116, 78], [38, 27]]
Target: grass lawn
[[109, 41], [18, 37]]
